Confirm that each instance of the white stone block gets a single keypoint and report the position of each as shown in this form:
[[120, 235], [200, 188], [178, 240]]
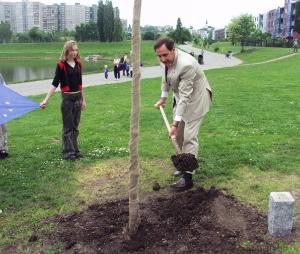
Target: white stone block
[[281, 212]]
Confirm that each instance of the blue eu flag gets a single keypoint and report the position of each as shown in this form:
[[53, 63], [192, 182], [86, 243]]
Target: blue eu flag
[[12, 104]]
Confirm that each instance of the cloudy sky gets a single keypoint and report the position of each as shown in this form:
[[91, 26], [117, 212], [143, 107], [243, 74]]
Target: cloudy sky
[[191, 12]]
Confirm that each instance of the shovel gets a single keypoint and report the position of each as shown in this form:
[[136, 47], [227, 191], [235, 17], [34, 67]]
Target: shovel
[[182, 161], [174, 142]]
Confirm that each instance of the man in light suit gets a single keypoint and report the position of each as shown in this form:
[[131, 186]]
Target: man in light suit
[[191, 100]]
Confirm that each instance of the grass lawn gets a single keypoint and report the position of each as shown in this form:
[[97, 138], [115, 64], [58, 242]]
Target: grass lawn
[[46, 51], [251, 54], [249, 145]]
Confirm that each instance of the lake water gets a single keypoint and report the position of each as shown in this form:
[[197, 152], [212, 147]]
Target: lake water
[[15, 71]]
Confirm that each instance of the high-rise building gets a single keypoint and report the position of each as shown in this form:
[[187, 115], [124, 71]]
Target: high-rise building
[[26, 14], [124, 24], [93, 13], [116, 12], [51, 18], [76, 15]]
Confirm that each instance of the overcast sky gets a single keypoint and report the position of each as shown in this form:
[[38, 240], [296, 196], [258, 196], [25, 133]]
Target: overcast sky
[[191, 12]]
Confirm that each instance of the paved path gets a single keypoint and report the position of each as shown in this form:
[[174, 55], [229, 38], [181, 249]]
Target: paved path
[[211, 61]]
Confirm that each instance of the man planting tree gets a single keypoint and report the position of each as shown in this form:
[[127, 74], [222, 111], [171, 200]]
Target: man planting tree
[[191, 101]]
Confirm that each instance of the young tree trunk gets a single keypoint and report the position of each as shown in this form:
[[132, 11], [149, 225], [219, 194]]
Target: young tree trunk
[[134, 170]]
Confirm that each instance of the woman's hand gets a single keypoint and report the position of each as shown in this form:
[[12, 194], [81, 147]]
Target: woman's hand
[[83, 105], [43, 104]]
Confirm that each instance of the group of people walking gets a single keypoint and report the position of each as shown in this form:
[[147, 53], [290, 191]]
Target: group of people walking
[[120, 65]]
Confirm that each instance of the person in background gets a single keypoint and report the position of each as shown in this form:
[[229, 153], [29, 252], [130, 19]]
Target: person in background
[[68, 75], [191, 101], [117, 67], [3, 133], [295, 46], [106, 71], [201, 57], [124, 63], [127, 69], [3, 142]]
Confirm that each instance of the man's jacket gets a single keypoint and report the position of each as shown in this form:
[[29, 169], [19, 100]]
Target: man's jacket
[[192, 93]]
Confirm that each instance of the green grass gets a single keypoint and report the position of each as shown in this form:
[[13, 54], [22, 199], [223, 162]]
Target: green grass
[[13, 57], [251, 54], [45, 51], [249, 145]]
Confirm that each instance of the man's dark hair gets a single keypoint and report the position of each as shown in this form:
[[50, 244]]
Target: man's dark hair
[[164, 41]]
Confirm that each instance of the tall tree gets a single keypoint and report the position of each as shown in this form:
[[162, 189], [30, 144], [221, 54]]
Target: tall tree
[[100, 21], [178, 30], [118, 30], [108, 28], [180, 34], [134, 170], [5, 32], [240, 29]]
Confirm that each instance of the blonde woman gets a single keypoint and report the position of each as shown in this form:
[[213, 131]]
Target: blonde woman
[[69, 76]]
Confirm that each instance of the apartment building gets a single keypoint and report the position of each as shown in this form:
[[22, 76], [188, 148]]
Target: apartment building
[[24, 15], [94, 13], [50, 18], [75, 15], [281, 22]]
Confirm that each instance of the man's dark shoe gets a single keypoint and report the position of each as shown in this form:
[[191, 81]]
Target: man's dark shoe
[[3, 155], [79, 156], [70, 158], [178, 173], [182, 185]]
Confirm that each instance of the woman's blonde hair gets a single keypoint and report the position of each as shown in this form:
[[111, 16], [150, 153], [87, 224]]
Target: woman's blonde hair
[[66, 50]]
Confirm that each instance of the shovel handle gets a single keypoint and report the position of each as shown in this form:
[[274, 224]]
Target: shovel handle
[[165, 118], [174, 141]]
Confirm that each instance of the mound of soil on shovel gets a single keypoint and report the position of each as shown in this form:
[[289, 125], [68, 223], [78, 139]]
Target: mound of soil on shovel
[[196, 221]]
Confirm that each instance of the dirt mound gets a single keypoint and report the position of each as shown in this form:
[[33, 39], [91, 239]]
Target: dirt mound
[[196, 221]]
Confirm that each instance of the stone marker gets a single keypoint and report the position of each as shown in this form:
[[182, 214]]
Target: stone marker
[[281, 211]]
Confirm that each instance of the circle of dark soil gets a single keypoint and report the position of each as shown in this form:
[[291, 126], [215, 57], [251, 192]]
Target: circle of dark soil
[[196, 221]]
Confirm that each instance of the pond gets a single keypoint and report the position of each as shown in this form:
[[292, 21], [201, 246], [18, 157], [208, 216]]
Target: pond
[[16, 71]]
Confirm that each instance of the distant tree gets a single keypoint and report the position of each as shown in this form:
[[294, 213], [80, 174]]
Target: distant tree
[[178, 31], [185, 35], [100, 21], [5, 32], [205, 43], [86, 32], [148, 28], [92, 33], [196, 41], [148, 36], [118, 30], [129, 29], [23, 37], [80, 32], [240, 29], [180, 34], [256, 35], [127, 35], [36, 35], [108, 28], [50, 37]]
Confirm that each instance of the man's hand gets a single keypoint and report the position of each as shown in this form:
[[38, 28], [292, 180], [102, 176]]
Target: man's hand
[[173, 132], [161, 102]]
